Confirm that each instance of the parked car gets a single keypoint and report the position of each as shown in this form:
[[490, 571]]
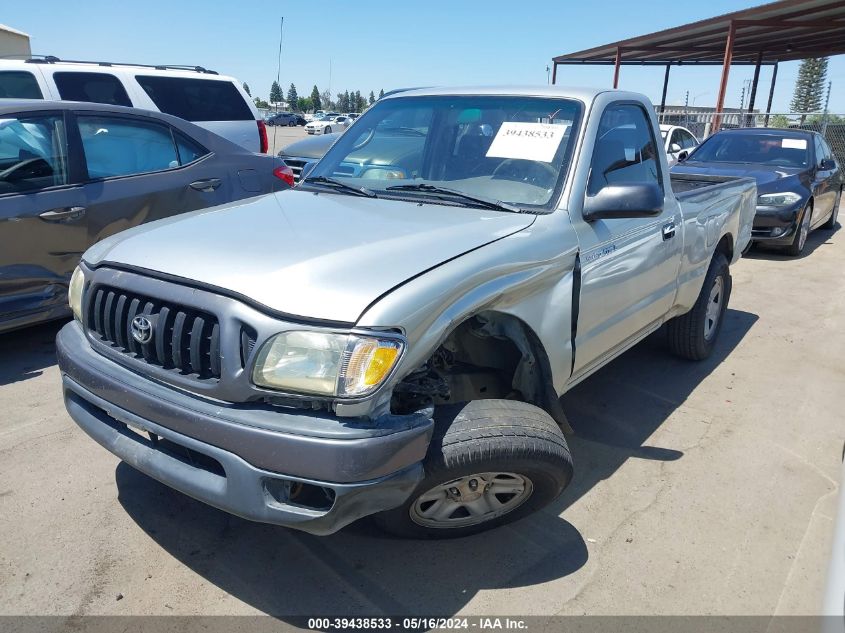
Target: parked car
[[678, 142], [305, 152], [392, 339], [290, 119], [328, 124], [215, 102], [798, 181], [74, 173]]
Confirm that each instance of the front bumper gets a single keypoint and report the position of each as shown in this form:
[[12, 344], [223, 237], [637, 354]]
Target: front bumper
[[776, 225], [247, 465]]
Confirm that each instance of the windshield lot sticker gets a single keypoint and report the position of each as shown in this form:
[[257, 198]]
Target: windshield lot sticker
[[528, 141], [794, 143]]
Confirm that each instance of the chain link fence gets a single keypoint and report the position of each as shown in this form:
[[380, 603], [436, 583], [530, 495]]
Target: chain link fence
[[831, 126]]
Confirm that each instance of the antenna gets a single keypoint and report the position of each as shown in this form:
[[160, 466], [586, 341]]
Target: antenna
[[279, 70]]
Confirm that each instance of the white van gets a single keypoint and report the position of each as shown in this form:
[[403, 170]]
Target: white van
[[215, 102]]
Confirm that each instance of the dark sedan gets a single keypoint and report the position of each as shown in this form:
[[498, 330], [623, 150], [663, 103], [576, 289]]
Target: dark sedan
[[290, 119], [799, 184], [72, 174]]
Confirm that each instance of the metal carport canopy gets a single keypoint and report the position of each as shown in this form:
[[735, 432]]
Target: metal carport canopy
[[764, 35]]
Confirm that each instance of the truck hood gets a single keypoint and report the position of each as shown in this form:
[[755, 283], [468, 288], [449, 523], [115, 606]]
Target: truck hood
[[763, 174], [317, 256]]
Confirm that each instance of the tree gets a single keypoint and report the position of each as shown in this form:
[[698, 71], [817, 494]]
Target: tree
[[372, 98], [315, 99], [246, 89], [292, 97], [360, 102], [326, 100], [381, 93], [304, 104], [276, 93], [809, 87], [260, 103]]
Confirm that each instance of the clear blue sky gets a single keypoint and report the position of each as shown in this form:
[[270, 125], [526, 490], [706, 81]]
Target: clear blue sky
[[374, 44]]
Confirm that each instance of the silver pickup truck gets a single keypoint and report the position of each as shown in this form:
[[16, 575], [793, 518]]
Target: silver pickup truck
[[392, 336]]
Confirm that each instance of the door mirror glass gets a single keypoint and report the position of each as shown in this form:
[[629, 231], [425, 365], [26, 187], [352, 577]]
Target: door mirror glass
[[683, 156], [624, 201], [827, 164]]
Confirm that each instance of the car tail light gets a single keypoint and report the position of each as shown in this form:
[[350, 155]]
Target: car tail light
[[284, 173], [262, 137]]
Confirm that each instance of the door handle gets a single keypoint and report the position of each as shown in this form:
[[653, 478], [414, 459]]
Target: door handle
[[63, 214], [207, 185], [668, 231]]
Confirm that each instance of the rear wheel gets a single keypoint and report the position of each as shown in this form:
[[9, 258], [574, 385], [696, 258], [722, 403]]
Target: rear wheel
[[831, 222], [490, 462], [693, 335], [327, 130], [800, 239], [292, 123]]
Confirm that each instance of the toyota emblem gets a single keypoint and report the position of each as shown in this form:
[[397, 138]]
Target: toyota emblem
[[142, 329]]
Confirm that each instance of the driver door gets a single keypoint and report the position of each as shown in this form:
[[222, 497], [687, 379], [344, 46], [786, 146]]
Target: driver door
[[42, 226]]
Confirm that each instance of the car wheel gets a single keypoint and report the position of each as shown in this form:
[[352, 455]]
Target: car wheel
[[291, 123], [800, 239], [490, 462], [693, 335], [831, 222], [327, 130]]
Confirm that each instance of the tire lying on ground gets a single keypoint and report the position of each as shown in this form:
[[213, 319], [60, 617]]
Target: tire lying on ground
[[490, 462]]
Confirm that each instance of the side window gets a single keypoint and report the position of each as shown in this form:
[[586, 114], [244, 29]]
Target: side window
[[19, 84], [676, 139], [189, 151], [819, 149], [91, 87], [117, 146], [33, 153], [625, 151], [687, 140], [196, 99]]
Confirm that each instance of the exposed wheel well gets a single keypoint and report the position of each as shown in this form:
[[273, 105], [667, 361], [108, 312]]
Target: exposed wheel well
[[490, 355], [726, 246]]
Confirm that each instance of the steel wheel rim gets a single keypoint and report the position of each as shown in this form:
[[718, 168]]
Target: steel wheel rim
[[714, 308], [805, 229], [491, 495]]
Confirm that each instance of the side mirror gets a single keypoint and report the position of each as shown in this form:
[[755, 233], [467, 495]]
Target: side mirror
[[674, 148], [683, 156], [624, 201], [827, 164]]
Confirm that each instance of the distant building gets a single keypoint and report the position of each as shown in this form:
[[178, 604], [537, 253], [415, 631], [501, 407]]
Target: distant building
[[13, 43]]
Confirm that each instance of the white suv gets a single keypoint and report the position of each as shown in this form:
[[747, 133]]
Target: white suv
[[215, 102]]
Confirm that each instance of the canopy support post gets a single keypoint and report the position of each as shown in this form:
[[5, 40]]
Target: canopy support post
[[616, 66], [771, 95], [723, 84]]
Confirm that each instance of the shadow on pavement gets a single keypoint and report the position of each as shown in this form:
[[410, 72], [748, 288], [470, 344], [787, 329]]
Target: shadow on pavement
[[27, 352], [359, 571]]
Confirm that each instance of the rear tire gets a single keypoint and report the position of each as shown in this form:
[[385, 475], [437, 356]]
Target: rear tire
[[327, 130], [693, 335], [291, 123], [802, 232], [479, 448], [831, 221]]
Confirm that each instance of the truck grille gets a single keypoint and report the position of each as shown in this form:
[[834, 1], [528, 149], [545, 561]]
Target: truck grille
[[183, 339], [296, 165]]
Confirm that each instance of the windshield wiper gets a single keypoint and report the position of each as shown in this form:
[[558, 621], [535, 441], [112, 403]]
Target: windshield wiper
[[337, 184], [497, 205]]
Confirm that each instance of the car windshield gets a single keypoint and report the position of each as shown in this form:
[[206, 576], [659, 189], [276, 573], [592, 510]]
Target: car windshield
[[506, 149], [771, 149]]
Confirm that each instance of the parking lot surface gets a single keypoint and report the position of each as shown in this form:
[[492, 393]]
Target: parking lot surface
[[279, 136], [699, 488]]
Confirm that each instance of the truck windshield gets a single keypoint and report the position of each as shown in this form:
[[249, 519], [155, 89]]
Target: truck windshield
[[508, 149], [771, 149]]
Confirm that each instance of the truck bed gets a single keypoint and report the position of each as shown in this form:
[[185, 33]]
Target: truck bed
[[686, 184]]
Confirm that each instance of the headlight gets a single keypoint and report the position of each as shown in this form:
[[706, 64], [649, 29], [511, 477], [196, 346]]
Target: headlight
[[74, 292], [778, 199], [326, 364]]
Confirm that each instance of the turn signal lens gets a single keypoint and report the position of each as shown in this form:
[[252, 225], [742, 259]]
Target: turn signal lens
[[370, 361]]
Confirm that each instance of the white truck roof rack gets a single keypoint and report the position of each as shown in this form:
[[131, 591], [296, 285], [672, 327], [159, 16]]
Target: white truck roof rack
[[52, 59]]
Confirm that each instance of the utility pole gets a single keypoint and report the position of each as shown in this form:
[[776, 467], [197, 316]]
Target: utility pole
[[279, 68], [826, 103]]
